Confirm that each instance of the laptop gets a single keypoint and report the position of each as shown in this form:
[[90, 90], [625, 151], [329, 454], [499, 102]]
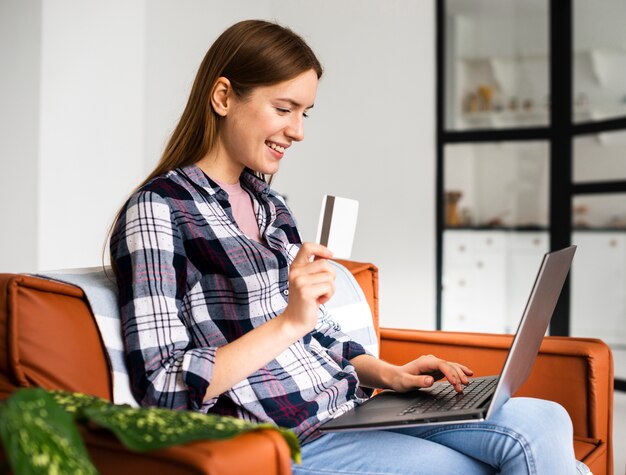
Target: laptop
[[440, 404]]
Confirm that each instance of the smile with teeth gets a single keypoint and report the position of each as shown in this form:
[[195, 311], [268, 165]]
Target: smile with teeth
[[273, 146]]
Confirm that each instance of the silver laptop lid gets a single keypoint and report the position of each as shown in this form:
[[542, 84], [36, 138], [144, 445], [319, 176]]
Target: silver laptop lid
[[533, 326]]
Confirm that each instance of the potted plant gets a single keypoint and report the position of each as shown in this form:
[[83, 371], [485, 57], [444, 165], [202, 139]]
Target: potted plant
[[39, 429]]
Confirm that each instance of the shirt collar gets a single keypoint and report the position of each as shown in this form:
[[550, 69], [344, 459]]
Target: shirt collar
[[248, 180], [254, 182]]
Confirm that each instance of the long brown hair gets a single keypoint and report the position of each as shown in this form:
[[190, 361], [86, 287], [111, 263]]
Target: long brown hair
[[249, 54]]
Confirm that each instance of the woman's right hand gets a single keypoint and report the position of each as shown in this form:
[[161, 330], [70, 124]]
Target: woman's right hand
[[311, 284]]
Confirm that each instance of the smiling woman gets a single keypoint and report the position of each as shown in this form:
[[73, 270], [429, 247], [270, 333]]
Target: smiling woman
[[222, 305]]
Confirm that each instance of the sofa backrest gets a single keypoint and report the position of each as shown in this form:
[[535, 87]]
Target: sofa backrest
[[49, 339]]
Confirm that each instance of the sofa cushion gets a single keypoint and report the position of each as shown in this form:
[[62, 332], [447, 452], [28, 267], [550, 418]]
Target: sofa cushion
[[48, 338]]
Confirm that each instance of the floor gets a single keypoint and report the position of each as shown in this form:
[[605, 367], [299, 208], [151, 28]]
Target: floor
[[619, 432]]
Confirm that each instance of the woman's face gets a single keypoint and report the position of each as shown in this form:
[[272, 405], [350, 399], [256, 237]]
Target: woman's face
[[257, 131]]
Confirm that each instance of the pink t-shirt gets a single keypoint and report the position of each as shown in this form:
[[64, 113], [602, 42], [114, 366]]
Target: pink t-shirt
[[243, 212]]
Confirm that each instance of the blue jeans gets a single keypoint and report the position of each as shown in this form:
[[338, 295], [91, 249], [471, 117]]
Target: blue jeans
[[526, 436]]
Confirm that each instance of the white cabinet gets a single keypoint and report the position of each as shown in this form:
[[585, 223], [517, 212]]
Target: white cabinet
[[487, 277], [598, 307], [474, 281], [525, 252]]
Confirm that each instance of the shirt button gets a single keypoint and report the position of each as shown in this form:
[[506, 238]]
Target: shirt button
[[285, 292]]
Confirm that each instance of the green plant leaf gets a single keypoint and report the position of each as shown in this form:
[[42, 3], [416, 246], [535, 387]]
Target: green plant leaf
[[39, 437], [154, 428], [76, 403], [143, 429]]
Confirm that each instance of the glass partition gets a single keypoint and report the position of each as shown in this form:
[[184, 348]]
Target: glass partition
[[496, 216], [599, 212], [496, 185], [598, 279], [497, 66], [599, 60], [600, 157]]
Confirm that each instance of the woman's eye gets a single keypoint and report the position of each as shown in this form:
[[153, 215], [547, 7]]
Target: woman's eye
[[282, 111]]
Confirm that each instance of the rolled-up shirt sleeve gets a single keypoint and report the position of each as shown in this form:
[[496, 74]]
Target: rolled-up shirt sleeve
[[151, 268]]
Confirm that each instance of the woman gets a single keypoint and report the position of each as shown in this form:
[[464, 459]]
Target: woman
[[222, 305]]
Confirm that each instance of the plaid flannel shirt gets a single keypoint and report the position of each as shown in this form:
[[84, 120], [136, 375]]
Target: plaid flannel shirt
[[190, 281]]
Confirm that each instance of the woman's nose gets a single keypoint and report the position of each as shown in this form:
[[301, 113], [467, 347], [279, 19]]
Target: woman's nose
[[295, 130]]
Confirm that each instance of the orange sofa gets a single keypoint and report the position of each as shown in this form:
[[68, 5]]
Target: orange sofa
[[49, 339]]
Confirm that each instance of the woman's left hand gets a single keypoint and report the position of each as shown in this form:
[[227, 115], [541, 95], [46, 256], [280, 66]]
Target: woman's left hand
[[417, 374]]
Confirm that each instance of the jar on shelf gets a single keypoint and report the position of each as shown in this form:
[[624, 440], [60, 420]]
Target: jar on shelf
[[471, 103], [452, 217], [527, 105], [485, 94]]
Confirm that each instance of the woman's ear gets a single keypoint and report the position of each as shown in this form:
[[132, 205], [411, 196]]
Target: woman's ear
[[221, 96]]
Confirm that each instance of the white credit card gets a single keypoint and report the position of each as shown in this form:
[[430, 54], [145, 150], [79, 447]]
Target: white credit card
[[337, 225]]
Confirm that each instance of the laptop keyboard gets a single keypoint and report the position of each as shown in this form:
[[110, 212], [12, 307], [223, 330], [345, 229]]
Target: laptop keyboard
[[445, 398]]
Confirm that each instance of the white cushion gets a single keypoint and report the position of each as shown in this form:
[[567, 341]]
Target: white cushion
[[349, 309]]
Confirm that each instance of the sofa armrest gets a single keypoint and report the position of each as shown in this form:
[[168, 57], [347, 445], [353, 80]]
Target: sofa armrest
[[575, 372], [262, 452]]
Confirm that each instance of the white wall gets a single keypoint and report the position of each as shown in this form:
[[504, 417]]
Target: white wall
[[20, 54], [371, 137], [92, 95], [178, 35], [114, 80]]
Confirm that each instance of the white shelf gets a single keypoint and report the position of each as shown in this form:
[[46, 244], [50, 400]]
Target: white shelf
[[504, 116], [511, 57], [616, 50], [602, 50], [539, 117]]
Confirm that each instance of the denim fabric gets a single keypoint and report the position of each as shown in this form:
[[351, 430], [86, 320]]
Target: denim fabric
[[526, 436]]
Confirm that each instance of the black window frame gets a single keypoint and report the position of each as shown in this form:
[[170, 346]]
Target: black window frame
[[559, 133]]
